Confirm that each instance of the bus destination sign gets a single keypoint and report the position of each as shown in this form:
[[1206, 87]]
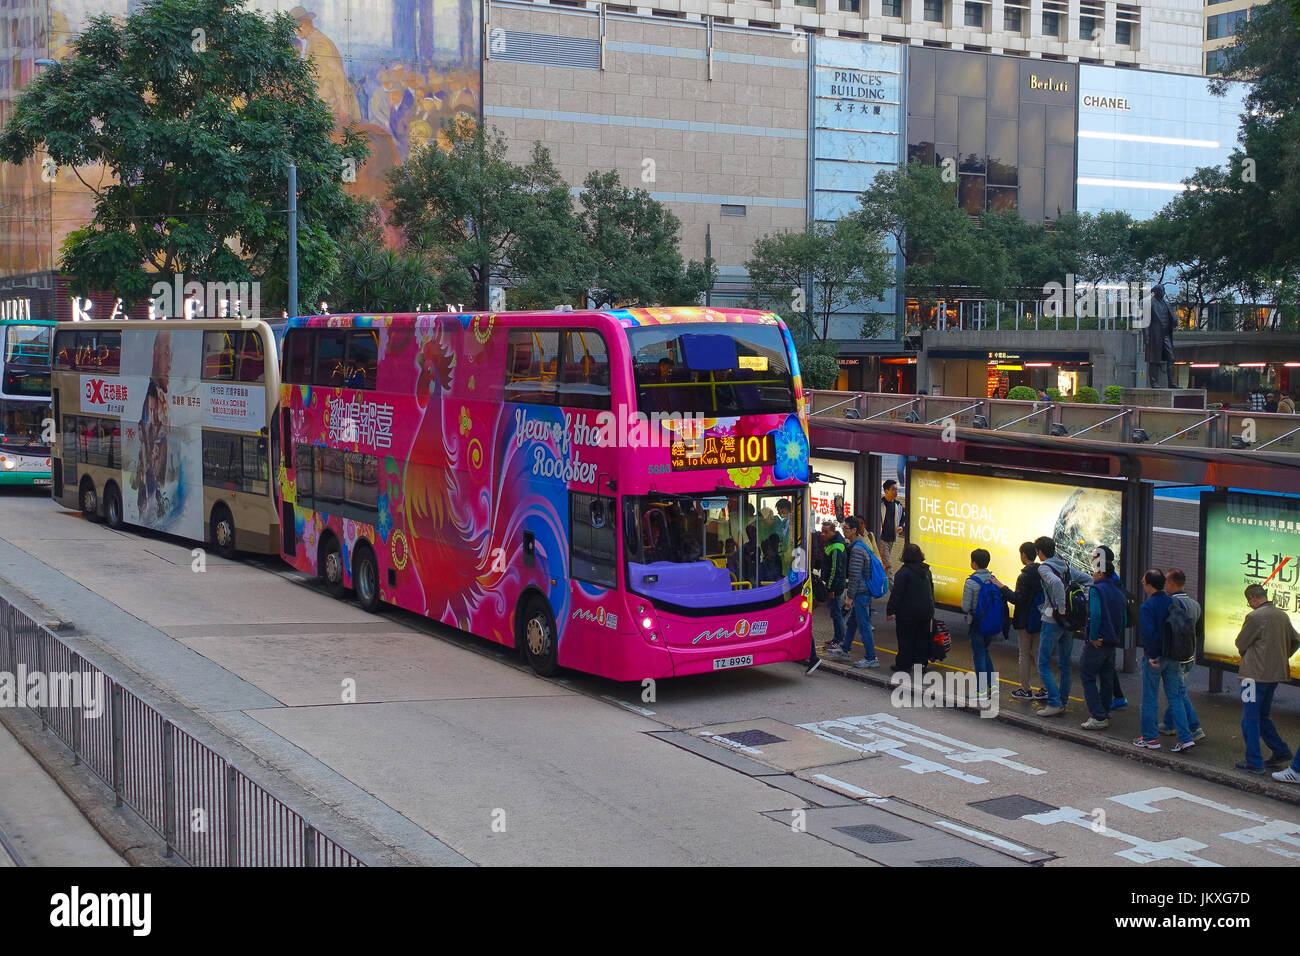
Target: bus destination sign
[[722, 451]]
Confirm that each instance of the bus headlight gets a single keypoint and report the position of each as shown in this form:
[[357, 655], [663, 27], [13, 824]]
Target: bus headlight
[[647, 623], [803, 605], [7, 462]]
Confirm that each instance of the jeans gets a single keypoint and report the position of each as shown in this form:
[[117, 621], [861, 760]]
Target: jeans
[[979, 647], [860, 620], [837, 619], [1054, 639], [1097, 669], [1168, 673], [1193, 722], [1256, 722]]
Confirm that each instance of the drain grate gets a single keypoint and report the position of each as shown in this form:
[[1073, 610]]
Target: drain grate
[[754, 738], [870, 833], [1013, 807], [947, 861]]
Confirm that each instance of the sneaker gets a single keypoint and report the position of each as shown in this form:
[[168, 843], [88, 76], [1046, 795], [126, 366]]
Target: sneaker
[[1242, 765], [1021, 694], [864, 663], [837, 653], [1287, 776], [1198, 733], [1092, 723], [1040, 694], [812, 666], [1167, 731], [1147, 743], [1181, 746], [1050, 711], [1119, 703]]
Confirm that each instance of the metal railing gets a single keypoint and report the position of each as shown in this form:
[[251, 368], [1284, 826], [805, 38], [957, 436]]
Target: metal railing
[[207, 811], [1036, 315]]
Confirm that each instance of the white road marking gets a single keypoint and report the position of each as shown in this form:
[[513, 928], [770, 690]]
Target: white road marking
[[1272, 836], [1140, 849], [625, 705], [730, 743], [986, 837], [845, 788]]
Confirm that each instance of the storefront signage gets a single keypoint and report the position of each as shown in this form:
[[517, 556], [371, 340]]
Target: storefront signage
[[16, 309], [1106, 102], [1048, 83]]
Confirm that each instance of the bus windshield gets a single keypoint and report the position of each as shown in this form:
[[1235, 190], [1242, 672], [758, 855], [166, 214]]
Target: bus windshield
[[724, 370], [22, 424], [28, 345], [715, 550]]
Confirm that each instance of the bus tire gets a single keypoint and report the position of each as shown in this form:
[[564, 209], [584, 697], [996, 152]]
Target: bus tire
[[221, 531], [89, 500], [112, 506], [329, 564], [365, 577], [537, 636]]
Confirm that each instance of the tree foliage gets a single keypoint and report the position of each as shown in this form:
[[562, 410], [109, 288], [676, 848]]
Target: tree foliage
[[194, 131]]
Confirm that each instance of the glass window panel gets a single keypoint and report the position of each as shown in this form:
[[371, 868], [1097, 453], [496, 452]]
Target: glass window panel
[[251, 358], [219, 354], [361, 480], [584, 380], [331, 355], [533, 366], [304, 470], [298, 357], [920, 81], [971, 193], [974, 14], [592, 539], [363, 358], [933, 11], [329, 474]]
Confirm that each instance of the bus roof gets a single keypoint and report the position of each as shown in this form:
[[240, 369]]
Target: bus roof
[[28, 322], [628, 318]]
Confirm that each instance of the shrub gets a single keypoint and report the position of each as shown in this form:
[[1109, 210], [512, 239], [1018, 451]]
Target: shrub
[[1054, 394], [1087, 395], [1023, 393], [1114, 394]]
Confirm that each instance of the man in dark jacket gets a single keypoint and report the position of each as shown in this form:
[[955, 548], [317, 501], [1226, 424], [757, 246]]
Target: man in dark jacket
[[911, 606], [1158, 669], [1027, 599], [834, 569], [1106, 619]]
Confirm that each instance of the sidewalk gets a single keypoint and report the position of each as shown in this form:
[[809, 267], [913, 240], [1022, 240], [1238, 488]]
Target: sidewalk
[[1213, 758]]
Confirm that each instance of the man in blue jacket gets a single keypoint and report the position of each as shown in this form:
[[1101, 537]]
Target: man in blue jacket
[[1106, 613], [1158, 669]]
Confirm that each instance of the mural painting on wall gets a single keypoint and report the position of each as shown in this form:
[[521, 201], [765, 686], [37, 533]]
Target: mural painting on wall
[[397, 69]]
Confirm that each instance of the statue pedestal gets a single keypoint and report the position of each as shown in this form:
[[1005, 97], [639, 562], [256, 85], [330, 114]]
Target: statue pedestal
[[1164, 397]]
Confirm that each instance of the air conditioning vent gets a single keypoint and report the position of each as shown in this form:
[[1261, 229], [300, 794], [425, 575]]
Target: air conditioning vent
[[516, 46]]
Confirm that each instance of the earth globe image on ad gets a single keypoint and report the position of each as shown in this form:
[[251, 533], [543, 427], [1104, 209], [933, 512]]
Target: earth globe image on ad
[[1089, 517]]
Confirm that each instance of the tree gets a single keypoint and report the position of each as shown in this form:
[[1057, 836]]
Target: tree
[[194, 108], [842, 264], [919, 210], [469, 208], [633, 241]]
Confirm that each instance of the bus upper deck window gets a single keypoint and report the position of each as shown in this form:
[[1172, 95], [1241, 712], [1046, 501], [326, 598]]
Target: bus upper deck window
[[331, 353], [251, 357], [298, 357]]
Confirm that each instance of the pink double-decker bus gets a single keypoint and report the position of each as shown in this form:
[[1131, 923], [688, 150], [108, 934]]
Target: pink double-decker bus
[[620, 492]]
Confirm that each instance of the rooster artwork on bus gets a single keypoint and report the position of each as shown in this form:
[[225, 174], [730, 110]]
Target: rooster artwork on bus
[[619, 492]]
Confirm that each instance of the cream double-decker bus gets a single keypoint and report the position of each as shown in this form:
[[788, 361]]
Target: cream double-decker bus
[[167, 425]]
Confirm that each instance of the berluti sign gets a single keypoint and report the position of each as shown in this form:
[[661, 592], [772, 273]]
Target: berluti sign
[[1049, 82]]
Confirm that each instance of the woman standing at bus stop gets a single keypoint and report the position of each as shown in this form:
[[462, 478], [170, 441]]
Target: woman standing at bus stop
[[911, 606]]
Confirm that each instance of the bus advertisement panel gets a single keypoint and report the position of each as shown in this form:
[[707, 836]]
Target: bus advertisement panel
[[507, 475], [1246, 539], [165, 426], [25, 402], [951, 513]]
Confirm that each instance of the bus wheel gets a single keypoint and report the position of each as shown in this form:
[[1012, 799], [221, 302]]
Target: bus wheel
[[537, 634], [365, 577], [113, 506], [89, 500], [330, 564], [222, 534]]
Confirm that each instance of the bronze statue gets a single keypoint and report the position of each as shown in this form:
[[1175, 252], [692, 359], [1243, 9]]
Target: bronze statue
[[1160, 341]]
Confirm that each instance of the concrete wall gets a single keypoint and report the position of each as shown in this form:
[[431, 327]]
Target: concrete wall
[[739, 139], [1112, 354]]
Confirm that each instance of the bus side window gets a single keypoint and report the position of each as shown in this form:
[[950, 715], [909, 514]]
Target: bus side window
[[218, 356], [585, 379], [363, 358], [531, 373], [250, 357], [331, 355], [298, 357]]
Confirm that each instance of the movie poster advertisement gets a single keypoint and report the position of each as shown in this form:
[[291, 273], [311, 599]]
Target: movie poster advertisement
[[162, 443], [952, 514], [1247, 539]]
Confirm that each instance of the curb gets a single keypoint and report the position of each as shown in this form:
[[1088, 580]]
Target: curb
[[1237, 780], [125, 833]]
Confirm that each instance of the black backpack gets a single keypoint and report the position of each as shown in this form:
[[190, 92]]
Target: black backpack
[[1179, 639], [1074, 617]]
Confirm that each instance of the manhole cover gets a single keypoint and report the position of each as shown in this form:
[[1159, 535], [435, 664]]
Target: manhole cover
[[754, 738], [1013, 807], [869, 833], [947, 861]]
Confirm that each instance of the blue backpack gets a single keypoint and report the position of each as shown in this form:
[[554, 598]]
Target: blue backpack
[[877, 580], [990, 610]]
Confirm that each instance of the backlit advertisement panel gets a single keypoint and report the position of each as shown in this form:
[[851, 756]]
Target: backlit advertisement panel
[[1246, 539], [953, 513]]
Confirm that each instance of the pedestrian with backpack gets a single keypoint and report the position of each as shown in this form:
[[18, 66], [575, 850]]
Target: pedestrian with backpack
[[982, 599], [1176, 588], [1027, 620], [1065, 614], [864, 580], [1106, 619], [1159, 668]]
